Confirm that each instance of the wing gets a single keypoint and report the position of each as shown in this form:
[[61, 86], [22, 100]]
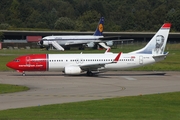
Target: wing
[[113, 38], [76, 42], [96, 66]]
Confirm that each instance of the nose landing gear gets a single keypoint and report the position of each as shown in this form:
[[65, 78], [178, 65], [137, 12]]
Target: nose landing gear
[[23, 72]]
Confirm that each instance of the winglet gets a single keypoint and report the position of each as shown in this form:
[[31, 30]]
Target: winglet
[[117, 58]]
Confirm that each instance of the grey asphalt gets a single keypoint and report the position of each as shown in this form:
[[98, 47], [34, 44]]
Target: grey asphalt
[[54, 87]]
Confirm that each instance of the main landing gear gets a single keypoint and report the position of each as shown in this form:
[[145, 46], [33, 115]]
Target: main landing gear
[[89, 73]]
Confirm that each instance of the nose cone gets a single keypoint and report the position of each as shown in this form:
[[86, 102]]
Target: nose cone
[[40, 42], [10, 65]]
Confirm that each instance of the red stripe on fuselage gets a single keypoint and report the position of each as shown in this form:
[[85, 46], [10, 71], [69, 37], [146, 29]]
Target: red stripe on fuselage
[[38, 62], [34, 62]]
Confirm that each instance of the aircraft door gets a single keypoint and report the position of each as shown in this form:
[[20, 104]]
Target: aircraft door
[[140, 60], [28, 61]]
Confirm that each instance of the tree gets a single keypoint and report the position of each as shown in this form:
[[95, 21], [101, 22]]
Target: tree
[[120, 15], [14, 13], [90, 19], [173, 16], [64, 23], [1, 36], [98, 6], [51, 18], [33, 19], [4, 26]]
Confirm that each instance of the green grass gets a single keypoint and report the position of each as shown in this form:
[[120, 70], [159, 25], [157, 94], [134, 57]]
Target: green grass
[[146, 107], [6, 88]]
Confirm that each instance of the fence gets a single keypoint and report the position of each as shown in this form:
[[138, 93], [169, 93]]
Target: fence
[[125, 46]]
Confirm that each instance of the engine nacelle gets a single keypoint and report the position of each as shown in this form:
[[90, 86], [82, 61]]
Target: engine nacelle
[[72, 70], [44, 43], [90, 45], [109, 43]]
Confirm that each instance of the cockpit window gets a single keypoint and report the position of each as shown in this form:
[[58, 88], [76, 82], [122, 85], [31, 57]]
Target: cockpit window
[[16, 60]]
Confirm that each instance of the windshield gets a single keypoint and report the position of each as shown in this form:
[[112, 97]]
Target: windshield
[[16, 60]]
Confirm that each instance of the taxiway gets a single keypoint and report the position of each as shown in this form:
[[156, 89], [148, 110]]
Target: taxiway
[[55, 88]]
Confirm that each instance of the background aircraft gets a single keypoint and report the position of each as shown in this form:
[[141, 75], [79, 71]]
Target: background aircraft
[[75, 64], [92, 41]]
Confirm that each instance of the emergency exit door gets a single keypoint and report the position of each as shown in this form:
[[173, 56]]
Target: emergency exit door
[[140, 59]]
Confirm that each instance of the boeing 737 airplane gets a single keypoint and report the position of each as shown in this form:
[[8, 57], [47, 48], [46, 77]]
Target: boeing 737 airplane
[[61, 42], [75, 64]]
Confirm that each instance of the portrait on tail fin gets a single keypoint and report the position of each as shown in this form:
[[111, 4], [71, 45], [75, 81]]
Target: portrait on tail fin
[[159, 48]]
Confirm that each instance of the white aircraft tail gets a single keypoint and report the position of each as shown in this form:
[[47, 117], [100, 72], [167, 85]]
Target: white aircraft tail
[[157, 44]]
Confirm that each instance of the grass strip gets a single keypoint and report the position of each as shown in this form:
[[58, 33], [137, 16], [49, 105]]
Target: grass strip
[[7, 88], [143, 107]]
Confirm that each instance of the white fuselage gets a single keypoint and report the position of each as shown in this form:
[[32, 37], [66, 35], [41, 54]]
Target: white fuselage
[[57, 62], [70, 40]]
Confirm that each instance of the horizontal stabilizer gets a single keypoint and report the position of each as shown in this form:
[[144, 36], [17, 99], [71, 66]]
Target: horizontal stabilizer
[[104, 45], [163, 55]]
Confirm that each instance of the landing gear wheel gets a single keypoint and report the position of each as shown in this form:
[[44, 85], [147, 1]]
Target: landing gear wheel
[[23, 74], [89, 73], [47, 48], [67, 48], [81, 48]]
